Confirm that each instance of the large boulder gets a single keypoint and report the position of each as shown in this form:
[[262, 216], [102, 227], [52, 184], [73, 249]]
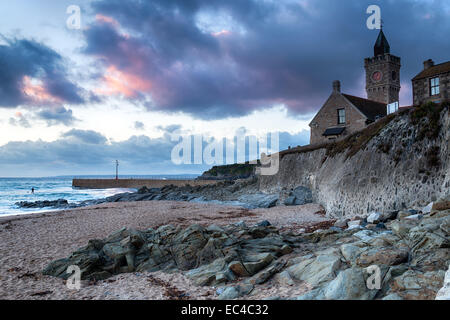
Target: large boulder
[[299, 196], [382, 256], [87, 260], [349, 284], [259, 200], [317, 270], [213, 273], [186, 245], [238, 269], [257, 262]]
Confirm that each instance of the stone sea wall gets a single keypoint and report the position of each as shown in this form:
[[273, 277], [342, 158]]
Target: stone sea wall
[[405, 164]]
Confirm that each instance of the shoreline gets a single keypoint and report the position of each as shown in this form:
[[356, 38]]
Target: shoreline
[[238, 193], [9, 215]]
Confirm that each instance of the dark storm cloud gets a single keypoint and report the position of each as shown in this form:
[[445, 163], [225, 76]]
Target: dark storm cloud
[[55, 116], [20, 58], [289, 51]]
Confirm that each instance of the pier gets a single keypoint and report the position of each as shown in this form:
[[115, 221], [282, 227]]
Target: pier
[[135, 183]]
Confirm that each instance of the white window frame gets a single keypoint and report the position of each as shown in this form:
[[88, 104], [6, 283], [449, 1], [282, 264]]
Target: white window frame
[[344, 116], [434, 86]]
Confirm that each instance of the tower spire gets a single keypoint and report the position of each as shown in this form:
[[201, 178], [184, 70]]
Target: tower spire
[[381, 45]]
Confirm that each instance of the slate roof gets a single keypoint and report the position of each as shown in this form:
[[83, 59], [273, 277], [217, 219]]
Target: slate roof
[[434, 71], [381, 45], [334, 131], [371, 109]]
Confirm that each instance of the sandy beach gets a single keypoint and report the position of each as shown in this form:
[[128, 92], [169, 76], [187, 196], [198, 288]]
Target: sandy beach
[[29, 242]]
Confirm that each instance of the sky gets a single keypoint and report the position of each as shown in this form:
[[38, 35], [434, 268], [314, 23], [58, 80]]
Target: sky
[[73, 100]]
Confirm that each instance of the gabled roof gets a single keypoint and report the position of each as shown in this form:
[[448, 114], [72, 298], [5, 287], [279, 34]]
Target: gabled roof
[[382, 45], [434, 71], [370, 109]]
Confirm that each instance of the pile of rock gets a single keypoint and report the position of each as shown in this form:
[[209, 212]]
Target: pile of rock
[[211, 255], [60, 203], [237, 193], [243, 193], [404, 258]]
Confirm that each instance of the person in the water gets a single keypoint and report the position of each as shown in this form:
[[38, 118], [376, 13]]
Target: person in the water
[[32, 190]]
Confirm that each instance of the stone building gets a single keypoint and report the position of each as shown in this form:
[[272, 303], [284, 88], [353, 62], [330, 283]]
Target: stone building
[[343, 114], [432, 83]]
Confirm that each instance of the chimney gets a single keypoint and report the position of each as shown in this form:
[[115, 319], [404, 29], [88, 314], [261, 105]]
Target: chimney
[[336, 86], [428, 64]]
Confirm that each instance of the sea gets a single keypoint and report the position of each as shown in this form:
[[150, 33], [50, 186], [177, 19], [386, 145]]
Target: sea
[[14, 190]]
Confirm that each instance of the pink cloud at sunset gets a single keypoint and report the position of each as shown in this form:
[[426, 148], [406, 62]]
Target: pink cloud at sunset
[[36, 92], [106, 19], [117, 82], [221, 33]]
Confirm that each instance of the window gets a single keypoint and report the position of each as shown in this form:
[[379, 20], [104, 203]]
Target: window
[[434, 86], [392, 107], [394, 75], [341, 116]]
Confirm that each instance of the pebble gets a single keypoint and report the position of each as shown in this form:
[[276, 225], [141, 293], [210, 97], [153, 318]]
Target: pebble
[[264, 223], [414, 217]]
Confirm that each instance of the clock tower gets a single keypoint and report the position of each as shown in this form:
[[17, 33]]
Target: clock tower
[[382, 73]]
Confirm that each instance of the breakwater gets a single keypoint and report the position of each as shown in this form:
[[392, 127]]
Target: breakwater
[[135, 183]]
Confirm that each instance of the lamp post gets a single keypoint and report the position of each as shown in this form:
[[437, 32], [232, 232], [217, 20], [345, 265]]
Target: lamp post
[[117, 169]]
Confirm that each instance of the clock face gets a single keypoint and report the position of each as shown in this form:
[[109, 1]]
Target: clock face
[[377, 76]]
